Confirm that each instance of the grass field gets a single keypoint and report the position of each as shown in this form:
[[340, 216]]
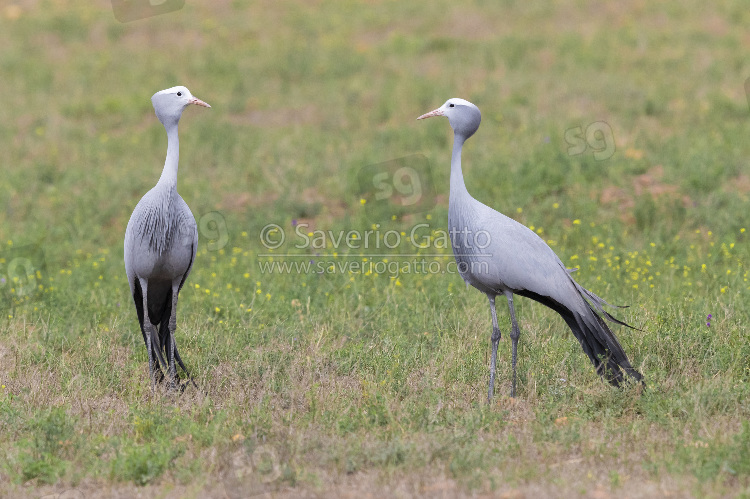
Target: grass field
[[618, 131]]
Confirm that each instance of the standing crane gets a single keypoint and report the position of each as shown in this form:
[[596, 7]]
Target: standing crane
[[161, 242], [499, 256]]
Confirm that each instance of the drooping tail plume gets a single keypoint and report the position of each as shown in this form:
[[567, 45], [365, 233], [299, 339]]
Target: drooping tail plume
[[596, 339]]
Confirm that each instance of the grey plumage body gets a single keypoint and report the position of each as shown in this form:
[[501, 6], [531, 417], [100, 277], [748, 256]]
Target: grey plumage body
[[499, 256], [161, 242]]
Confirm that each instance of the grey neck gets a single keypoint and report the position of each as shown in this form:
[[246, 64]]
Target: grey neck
[[169, 173], [457, 177]]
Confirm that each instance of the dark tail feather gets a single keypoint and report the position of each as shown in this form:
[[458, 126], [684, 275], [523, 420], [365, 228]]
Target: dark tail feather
[[155, 343], [602, 347], [138, 299], [164, 325], [156, 348], [160, 343], [595, 337], [179, 361], [164, 334], [599, 303], [166, 338], [616, 359]]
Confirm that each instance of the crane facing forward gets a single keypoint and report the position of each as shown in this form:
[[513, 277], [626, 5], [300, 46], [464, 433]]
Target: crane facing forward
[[160, 246], [498, 255]]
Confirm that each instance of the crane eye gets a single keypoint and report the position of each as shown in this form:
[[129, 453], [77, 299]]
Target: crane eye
[[451, 105], [179, 94]]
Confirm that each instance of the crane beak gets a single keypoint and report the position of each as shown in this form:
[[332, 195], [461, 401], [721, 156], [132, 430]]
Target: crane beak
[[198, 102], [436, 112]]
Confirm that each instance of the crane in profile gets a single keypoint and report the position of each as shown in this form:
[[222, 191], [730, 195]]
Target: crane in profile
[[499, 256], [161, 242]]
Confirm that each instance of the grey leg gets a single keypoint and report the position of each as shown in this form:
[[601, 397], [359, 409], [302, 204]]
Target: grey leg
[[149, 331], [182, 365], [172, 327], [495, 340], [515, 333]]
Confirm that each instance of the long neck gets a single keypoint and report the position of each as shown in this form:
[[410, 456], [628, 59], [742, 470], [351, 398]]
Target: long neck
[[457, 177], [169, 173]]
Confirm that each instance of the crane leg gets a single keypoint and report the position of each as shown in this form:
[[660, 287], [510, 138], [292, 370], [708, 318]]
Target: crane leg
[[182, 365], [173, 351], [515, 333], [148, 331], [172, 328], [495, 340]]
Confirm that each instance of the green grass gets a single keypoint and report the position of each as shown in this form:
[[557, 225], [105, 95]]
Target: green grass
[[353, 383]]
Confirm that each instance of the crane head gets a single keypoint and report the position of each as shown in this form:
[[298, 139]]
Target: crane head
[[169, 103], [464, 117]]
